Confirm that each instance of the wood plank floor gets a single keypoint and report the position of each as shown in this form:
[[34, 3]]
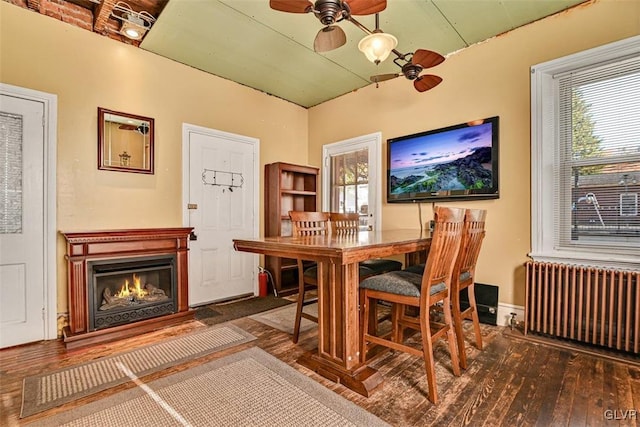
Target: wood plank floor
[[511, 383]]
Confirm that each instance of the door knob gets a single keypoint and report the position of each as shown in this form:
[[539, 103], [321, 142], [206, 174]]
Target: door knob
[[193, 236]]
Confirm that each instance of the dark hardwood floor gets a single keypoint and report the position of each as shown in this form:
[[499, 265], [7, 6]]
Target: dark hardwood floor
[[511, 383]]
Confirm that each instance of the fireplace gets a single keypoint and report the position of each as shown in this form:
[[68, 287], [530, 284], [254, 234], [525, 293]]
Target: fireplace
[[125, 282], [127, 290]]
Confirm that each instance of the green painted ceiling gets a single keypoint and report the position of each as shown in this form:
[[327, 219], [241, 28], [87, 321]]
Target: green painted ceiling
[[247, 42]]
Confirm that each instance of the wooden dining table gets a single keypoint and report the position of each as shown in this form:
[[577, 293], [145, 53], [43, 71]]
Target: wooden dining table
[[337, 256]]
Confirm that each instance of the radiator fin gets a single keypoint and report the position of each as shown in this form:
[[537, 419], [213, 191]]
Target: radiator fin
[[585, 304]]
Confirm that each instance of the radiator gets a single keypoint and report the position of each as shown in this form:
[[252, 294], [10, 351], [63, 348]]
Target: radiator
[[585, 304]]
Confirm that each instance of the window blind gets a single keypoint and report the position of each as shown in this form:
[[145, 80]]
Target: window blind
[[597, 166], [10, 173]]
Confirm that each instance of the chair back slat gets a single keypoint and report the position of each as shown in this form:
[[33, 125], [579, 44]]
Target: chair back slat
[[309, 223], [445, 244], [344, 223]]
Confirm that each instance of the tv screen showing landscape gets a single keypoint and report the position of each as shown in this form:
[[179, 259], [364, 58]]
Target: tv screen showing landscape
[[454, 163]]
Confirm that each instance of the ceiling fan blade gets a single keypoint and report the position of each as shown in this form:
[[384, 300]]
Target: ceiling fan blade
[[426, 82], [292, 6], [426, 58], [127, 127], [382, 77], [366, 7], [329, 38]]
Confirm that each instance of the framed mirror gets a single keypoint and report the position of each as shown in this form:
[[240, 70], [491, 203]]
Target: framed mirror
[[125, 142]]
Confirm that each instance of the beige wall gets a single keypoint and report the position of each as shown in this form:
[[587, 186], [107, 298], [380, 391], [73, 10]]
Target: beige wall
[[86, 70], [488, 79]]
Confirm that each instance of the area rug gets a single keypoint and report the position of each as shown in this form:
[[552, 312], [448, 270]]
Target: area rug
[[51, 389], [223, 312], [249, 388], [283, 318]]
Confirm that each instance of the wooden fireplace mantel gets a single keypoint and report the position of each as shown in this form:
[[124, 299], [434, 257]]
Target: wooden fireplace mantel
[[88, 245]]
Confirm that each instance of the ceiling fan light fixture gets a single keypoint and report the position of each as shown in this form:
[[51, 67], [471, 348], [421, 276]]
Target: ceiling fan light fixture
[[329, 38], [377, 46]]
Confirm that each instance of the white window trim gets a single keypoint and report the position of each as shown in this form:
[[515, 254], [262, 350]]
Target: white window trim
[[544, 107], [372, 142]]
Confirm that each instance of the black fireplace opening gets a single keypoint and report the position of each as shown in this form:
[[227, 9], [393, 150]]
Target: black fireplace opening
[[127, 290]]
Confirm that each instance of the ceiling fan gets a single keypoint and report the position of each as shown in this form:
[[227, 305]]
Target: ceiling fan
[[412, 65], [329, 12], [331, 36]]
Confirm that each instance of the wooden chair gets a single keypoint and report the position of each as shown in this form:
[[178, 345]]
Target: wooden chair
[[349, 224], [464, 278], [307, 224], [345, 223], [405, 289], [310, 224]]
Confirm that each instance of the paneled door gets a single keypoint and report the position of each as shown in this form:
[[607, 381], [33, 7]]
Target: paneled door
[[221, 203], [22, 221]]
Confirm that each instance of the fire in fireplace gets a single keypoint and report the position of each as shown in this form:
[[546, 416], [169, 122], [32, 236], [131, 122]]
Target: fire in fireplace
[[130, 289]]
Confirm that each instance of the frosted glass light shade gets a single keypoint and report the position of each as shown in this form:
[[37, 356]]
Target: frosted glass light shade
[[377, 46]]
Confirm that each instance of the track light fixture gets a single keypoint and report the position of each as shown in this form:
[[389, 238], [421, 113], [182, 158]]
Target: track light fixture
[[134, 24]]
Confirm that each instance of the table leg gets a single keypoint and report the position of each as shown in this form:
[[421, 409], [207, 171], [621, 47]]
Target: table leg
[[338, 354]]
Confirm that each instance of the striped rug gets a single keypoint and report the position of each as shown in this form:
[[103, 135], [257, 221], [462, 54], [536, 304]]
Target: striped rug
[[51, 389], [247, 388]]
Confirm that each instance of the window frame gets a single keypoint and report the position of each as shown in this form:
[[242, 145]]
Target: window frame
[[545, 151]]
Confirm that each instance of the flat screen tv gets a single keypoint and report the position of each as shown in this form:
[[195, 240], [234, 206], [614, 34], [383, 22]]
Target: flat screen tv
[[453, 163]]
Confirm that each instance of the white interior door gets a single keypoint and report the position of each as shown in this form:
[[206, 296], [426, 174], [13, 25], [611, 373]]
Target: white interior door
[[351, 178], [221, 204], [22, 221]]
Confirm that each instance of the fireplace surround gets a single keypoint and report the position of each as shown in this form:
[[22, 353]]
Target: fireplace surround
[[125, 282]]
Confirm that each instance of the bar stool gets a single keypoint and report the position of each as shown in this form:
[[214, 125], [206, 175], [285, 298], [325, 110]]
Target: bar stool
[[405, 289]]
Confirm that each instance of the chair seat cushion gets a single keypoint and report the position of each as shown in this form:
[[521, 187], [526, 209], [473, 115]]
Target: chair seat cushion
[[381, 265], [312, 272], [417, 268], [399, 283], [465, 276]]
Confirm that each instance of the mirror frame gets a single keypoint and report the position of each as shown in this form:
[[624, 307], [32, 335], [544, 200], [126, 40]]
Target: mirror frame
[[102, 142]]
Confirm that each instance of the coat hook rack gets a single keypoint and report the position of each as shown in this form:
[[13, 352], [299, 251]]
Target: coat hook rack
[[222, 178]]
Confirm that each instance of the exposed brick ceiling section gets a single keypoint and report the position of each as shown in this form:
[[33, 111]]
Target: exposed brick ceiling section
[[35, 5], [103, 12], [92, 15]]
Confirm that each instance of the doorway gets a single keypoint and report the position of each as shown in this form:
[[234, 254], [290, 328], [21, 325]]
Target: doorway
[[28, 205], [351, 178], [220, 201]]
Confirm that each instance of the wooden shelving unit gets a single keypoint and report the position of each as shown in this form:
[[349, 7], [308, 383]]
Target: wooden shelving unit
[[287, 187]]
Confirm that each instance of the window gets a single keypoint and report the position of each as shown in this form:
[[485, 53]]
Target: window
[[11, 192], [586, 156]]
